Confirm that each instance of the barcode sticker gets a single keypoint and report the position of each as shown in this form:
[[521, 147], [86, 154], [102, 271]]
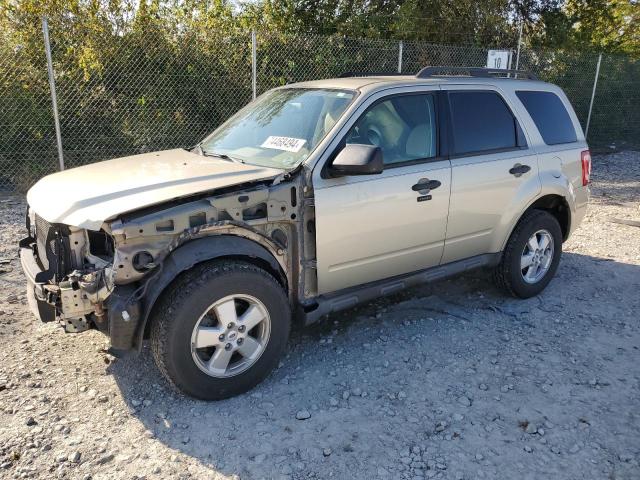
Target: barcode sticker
[[288, 144]]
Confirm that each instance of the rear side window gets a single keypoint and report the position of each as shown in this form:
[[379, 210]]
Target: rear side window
[[550, 116], [482, 122]]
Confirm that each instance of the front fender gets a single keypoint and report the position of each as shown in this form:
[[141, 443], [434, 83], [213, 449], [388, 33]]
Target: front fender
[[191, 254]]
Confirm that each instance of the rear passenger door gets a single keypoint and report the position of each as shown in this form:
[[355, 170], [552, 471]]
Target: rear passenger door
[[493, 171]]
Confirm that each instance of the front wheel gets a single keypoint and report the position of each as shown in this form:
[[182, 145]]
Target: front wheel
[[532, 255], [220, 329]]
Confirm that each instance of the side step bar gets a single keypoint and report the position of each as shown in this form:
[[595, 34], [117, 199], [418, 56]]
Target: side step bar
[[341, 300]]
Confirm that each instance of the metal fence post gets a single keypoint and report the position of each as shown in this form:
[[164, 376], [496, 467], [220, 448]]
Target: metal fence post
[[254, 66], [519, 43], [400, 49], [52, 86], [593, 96]]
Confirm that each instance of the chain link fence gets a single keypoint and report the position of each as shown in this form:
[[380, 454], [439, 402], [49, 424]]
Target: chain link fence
[[144, 91]]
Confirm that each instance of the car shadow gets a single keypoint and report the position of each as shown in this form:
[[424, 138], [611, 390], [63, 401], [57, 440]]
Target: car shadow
[[369, 348]]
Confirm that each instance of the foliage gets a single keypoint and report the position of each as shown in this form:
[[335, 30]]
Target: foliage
[[140, 75]]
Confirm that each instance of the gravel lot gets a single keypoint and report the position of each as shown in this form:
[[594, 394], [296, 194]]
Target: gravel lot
[[451, 381]]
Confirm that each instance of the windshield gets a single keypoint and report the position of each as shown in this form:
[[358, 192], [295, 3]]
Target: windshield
[[281, 128]]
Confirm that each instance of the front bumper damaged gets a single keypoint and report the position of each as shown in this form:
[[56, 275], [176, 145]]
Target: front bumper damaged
[[82, 300]]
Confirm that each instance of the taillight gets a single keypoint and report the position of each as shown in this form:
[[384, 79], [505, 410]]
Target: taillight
[[585, 158]]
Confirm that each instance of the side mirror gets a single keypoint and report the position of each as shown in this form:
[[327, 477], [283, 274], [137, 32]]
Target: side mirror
[[357, 159]]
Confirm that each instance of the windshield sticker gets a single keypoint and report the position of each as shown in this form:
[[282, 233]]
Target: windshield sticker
[[287, 144]]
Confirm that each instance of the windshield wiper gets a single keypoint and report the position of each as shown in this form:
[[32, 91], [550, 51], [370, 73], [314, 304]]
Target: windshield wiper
[[223, 156]]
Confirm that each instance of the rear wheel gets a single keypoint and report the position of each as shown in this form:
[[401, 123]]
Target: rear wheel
[[220, 329], [532, 255]]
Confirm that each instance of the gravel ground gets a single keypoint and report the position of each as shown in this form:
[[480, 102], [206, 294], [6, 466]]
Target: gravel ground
[[450, 381]]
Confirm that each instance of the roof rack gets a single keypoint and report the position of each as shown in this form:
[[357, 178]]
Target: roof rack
[[429, 72]]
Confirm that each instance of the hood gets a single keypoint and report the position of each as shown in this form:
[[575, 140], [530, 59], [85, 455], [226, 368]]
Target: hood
[[87, 196]]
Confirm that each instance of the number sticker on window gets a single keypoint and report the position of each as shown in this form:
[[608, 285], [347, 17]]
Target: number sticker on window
[[288, 144]]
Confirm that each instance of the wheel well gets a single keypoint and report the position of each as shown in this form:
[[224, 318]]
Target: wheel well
[[557, 206], [279, 275]]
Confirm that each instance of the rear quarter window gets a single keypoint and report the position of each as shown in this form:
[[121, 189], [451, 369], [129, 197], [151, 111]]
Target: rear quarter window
[[550, 116]]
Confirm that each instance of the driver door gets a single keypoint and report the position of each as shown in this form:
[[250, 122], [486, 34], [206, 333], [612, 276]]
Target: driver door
[[372, 227]]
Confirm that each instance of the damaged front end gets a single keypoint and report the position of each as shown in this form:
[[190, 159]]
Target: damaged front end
[[109, 279], [69, 273]]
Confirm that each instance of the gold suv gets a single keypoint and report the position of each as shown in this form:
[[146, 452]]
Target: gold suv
[[313, 198]]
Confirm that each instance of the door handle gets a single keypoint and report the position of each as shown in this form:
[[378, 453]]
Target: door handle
[[518, 170], [425, 184]]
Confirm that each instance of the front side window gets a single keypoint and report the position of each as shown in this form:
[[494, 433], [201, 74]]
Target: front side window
[[281, 128], [482, 122], [404, 127]]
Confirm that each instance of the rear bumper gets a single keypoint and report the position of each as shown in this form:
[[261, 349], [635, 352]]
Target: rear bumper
[[37, 296], [580, 208]]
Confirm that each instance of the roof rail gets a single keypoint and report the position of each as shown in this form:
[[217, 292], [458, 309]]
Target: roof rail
[[428, 72], [369, 74]]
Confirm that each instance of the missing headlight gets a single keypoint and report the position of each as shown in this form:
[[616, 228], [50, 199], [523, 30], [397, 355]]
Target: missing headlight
[[101, 244]]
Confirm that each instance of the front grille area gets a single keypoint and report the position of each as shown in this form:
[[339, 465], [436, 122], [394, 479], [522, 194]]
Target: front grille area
[[52, 241], [42, 240]]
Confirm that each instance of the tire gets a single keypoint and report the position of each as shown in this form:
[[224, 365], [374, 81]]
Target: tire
[[523, 282], [189, 316]]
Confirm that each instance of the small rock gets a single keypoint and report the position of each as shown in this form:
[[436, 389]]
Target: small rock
[[483, 387], [531, 428], [464, 400], [61, 458], [326, 452], [575, 448], [30, 422], [303, 414], [75, 457], [105, 459], [528, 449]]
